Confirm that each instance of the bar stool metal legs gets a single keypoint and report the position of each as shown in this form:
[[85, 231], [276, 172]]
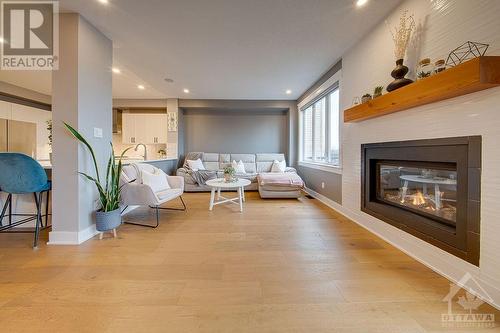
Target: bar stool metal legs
[[7, 212]]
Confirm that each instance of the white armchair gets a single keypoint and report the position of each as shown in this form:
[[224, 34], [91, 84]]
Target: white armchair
[[135, 193]]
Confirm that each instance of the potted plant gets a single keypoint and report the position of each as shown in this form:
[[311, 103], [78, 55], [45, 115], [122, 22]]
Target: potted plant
[[377, 92], [162, 153], [108, 216], [229, 173], [365, 98], [49, 137]]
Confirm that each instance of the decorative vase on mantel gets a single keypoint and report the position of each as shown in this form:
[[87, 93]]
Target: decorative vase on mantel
[[398, 74]]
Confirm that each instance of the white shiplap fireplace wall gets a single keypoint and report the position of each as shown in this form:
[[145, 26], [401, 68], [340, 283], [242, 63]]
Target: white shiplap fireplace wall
[[445, 24]]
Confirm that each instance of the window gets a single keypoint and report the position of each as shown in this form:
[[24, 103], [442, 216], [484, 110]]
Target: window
[[320, 132]]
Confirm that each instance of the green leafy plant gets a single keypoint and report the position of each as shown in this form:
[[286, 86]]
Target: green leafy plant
[[49, 129], [378, 91], [229, 170], [110, 189]]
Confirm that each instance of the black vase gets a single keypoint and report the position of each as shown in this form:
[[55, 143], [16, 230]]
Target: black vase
[[398, 74]]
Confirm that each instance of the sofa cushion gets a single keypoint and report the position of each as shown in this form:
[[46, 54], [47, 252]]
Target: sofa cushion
[[211, 161], [248, 161], [264, 162], [250, 176], [195, 165], [239, 167], [224, 158], [278, 166]]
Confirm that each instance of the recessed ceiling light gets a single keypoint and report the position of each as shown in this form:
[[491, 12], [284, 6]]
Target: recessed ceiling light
[[360, 3], [104, 2], [186, 91], [116, 70], [288, 92], [141, 87]]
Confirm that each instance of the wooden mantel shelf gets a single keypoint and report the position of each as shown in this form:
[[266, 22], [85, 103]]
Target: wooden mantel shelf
[[474, 75]]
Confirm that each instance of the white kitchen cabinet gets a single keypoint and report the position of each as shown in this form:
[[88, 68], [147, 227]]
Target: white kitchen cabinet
[[144, 128], [39, 118]]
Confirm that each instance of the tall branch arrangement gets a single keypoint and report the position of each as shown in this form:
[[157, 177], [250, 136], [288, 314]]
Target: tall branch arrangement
[[401, 34]]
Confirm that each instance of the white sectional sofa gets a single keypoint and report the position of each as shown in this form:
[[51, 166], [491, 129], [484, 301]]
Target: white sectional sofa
[[254, 165]]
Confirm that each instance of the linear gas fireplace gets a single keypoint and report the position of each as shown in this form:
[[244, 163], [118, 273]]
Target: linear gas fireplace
[[429, 188]]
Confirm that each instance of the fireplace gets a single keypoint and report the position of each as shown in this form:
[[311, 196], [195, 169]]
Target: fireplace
[[428, 188]]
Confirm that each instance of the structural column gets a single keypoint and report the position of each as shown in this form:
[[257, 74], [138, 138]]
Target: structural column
[[82, 97]]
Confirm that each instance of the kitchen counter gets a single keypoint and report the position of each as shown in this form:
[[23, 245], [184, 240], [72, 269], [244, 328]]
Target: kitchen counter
[[46, 164], [129, 161]]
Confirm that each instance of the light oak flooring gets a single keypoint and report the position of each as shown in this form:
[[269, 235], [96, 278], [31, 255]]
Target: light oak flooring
[[280, 266]]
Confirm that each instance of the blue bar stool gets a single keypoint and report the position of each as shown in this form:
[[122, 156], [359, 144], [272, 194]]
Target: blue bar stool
[[20, 174]]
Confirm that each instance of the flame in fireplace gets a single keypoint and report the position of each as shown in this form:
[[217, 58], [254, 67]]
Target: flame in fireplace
[[418, 199]]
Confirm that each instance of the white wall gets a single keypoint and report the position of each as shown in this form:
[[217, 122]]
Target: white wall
[[445, 25]]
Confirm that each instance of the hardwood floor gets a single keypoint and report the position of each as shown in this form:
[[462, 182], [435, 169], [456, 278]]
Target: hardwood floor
[[280, 266]]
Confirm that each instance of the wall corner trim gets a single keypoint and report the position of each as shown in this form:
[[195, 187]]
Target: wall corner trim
[[72, 237]]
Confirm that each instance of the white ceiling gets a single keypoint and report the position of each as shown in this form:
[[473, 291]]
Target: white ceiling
[[221, 49]]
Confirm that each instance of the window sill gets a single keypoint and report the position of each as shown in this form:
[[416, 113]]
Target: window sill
[[321, 166]]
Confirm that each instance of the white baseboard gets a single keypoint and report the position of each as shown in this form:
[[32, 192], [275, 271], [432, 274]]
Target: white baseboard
[[72, 237], [458, 271]]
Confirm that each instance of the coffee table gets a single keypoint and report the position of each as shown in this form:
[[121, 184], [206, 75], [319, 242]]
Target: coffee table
[[220, 183]]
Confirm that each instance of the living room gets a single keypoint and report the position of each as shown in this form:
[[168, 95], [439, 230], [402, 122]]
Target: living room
[[277, 166]]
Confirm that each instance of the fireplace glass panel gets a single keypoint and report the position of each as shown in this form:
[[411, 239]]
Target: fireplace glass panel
[[428, 190]]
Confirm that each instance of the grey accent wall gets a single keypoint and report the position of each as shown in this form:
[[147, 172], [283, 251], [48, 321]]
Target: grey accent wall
[[236, 131], [264, 125], [314, 177]]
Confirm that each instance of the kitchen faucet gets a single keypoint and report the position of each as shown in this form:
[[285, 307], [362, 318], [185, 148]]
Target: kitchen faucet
[[145, 150]]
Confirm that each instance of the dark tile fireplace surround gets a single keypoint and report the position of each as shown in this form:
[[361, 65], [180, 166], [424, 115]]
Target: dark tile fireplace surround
[[428, 188]]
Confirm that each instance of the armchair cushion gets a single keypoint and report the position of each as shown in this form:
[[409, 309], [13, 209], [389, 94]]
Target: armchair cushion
[[157, 180], [136, 192], [176, 182], [169, 194]]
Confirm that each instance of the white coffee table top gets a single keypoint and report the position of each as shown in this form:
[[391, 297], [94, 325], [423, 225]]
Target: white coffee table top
[[220, 182]]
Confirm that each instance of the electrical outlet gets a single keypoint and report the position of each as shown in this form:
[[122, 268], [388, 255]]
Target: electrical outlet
[[322, 184], [97, 132]]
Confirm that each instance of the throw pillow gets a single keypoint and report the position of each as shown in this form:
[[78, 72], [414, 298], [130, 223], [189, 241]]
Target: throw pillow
[[195, 165], [239, 167], [157, 180], [278, 166]]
